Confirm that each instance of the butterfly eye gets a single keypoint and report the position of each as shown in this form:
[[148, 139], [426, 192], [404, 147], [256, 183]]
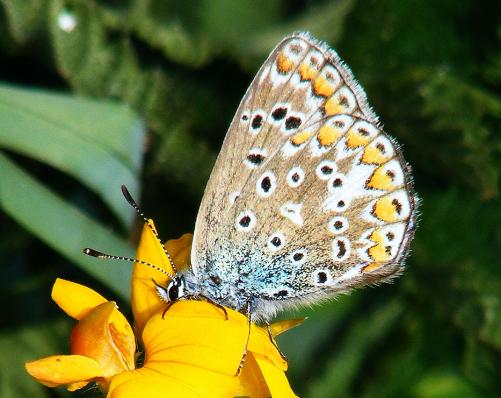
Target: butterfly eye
[[216, 279], [175, 288]]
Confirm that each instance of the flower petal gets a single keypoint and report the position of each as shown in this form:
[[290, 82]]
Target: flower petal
[[79, 300], [95, 337], [187, 381], [194, 351], [275, 378], [181, 381], [180, 250], [260, 343], [196, 333], [251, 379], [280, 327], [75, 299], [153, 386], [145, 301], [64, 369]]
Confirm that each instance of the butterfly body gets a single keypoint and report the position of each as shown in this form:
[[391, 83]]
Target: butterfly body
[[308, 197]]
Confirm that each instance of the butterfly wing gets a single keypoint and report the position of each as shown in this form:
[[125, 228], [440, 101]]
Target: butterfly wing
[[308, 196]]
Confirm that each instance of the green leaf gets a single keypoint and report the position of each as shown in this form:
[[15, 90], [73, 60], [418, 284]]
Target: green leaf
[[158, 25], [325, 22], [344, 366], [28, 344], [61, 226], [439, 384], [316, 331], [98, 143], [24, 18]]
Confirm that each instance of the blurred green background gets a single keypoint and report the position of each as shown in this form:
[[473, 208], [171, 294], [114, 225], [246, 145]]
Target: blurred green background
[[94, 94]]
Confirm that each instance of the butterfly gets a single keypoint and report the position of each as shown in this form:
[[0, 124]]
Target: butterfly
[[308, 197]]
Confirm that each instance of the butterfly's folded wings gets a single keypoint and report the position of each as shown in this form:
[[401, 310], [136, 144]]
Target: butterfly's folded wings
[[308, 195]]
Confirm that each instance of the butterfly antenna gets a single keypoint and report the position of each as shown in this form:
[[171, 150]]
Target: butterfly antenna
[[98, 254], [132, 202]]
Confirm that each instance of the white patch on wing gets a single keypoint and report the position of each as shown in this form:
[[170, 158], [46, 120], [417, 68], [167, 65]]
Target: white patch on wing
[[232, 197], [350, 274], [292, 211]]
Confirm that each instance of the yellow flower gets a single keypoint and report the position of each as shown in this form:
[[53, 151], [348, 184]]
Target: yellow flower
[[102, 343], [194, 351]]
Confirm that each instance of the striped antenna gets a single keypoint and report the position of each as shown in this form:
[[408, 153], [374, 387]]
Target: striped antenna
[[132, 202], [98, 254]]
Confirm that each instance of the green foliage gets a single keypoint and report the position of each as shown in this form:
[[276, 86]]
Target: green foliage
[[431, 71]]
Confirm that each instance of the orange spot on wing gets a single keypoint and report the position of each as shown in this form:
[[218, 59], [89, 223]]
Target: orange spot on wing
[[381, 179], [336, 105], [372, 267], [284, 64], [323, 87], [301, 138], [328, 135], [307, 72], [354, 138], [378, 252], [373, 155], [385, 209]]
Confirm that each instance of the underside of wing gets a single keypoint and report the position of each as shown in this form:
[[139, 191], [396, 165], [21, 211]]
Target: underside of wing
[[308, 195]]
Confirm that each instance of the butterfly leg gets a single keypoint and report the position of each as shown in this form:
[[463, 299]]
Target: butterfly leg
[[270, 335], [244, 354], [167, 306], [218, 306]]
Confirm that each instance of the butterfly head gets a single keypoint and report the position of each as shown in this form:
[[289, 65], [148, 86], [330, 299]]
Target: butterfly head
[[174, 290]]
